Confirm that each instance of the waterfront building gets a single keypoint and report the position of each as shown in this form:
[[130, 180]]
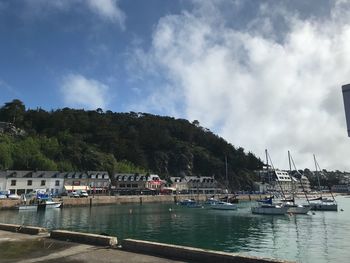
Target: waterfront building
[[203, 185], [55, 182], [94, 182], [262, 187], [24, 182], [179, 184], [125, 184], [302, 183], [275, 180], [341, 188]]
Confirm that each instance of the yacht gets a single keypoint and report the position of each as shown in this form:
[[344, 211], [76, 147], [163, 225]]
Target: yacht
[[220, 205], [266, 207], [323, 204]]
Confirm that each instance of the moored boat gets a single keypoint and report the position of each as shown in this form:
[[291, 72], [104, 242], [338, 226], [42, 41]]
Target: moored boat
[[323, 204], [41, 201], [266, 207], [298, 209], [220, 205], [272, 209], [190, 203]]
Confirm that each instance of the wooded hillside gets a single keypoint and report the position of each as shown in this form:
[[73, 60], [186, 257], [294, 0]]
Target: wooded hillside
[[70, 139]]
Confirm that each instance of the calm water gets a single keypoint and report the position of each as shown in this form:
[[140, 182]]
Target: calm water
[[323, 237]]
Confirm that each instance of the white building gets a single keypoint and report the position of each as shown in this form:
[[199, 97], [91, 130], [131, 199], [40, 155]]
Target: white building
[[136, 184], [23, 182], [276, 180], [195, 185]]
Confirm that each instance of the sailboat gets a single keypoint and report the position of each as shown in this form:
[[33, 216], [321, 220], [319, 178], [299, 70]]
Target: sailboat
[[294, 208], [266, 206], [222, 205], [322, 203]]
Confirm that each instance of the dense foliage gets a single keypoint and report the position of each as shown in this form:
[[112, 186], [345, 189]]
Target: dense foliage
[[70, 139]]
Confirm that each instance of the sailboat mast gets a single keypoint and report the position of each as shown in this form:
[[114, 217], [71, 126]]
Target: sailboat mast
[[226, 171], [291, 178], [278, 180], [319, 168], [267, 168], [300, 180], [318, 179]]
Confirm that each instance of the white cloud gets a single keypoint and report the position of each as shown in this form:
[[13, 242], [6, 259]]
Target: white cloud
[[79, 91], [109, 10], [260, 88]]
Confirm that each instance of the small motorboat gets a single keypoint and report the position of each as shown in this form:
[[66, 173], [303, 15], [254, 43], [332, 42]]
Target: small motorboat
[[190, 203], [220, 205]]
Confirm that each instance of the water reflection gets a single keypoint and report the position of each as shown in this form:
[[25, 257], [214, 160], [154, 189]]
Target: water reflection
[[322, 237]]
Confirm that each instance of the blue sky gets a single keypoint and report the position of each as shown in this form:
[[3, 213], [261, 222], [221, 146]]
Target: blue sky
[[261, 74]]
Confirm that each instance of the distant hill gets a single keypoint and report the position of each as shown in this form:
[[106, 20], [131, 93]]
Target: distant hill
[[69, 139]]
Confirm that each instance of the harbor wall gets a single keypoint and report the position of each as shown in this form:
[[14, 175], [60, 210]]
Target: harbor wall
[[84, 238], [8, 203], [31, 230], [189, 253], [113, 200]]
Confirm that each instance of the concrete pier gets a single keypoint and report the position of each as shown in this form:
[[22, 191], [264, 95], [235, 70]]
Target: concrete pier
[[189, 253], [31, 230], [84, 238], [24, 248]]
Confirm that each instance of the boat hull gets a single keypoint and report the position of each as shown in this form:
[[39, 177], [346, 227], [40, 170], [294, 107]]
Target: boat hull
[[298, 209], [48, 205], [226, 206], [324, 207]]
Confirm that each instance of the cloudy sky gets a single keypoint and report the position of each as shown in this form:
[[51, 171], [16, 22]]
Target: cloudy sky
[[261, 74]]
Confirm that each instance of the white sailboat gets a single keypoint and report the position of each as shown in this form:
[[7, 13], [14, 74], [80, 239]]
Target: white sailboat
[[221, 205], [322, 203], [266, 206], [294, 208]]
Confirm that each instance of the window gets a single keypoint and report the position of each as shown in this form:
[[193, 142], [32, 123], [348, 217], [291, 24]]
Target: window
[[13, 182], [134, 185], [29, 182], [43, 182], [57, 183], [122, 185]]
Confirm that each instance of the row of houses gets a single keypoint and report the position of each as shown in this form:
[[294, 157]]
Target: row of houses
[[100, 182], [55, 182]]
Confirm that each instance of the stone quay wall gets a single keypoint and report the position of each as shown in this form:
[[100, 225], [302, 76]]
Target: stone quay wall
[[115, 200]]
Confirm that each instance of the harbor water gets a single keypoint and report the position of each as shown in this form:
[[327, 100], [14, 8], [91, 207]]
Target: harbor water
[[316, 237]]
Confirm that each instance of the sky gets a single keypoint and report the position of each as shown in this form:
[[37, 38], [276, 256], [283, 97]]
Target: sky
[[262, 74]]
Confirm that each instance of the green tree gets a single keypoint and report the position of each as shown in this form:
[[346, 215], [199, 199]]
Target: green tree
[[13, 112]]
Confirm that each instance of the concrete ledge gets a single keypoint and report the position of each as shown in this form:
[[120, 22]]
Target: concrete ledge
[[86, 238], [31, 230], [189, 253]]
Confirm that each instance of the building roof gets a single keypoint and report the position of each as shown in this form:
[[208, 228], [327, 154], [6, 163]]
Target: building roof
[[53, 174]]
